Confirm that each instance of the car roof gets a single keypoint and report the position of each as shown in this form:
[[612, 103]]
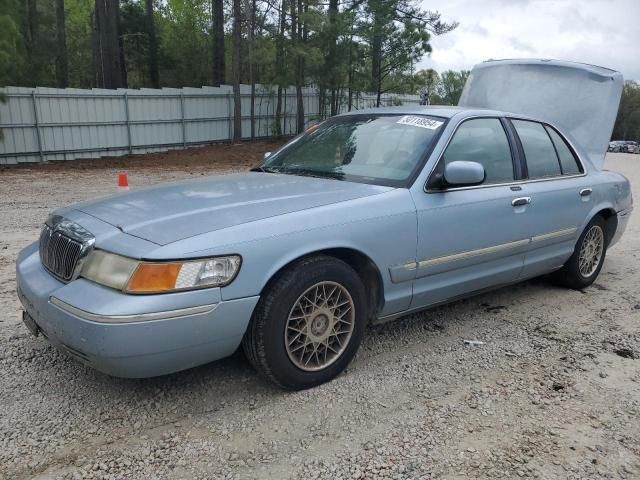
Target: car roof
[[444, 111]]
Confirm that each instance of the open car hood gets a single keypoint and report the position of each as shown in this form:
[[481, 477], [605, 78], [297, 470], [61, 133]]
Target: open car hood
[[580, 99]]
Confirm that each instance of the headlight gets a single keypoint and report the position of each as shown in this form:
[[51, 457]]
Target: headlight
[[134, 276]]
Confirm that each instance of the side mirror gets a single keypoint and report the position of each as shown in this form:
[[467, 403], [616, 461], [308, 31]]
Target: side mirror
[[461, 173], [266, 155]]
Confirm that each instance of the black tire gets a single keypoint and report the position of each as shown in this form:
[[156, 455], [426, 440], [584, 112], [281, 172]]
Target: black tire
[[570, 275], [264, 340]]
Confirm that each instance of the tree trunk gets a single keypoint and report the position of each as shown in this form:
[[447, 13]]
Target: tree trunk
[[237, 100], [62, 62], [252, 27], [294, 45], [302, 38], [376, 53], [123, 64], [110, 69], [351, 71], [153, 46], [322, 100], [280, 45], [31, 36], [330, 62], [217, 10]]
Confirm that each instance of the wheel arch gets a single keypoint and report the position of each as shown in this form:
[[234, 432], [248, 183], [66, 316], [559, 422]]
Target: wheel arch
[[608, 213], [363, 265]]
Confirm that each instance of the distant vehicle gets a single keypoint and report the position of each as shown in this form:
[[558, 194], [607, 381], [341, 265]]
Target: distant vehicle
[[369, 216], [615, 146], [623, 146], [630, 147]]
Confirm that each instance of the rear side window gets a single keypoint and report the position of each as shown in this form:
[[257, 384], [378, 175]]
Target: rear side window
[[538, 149], [568, 160], [483, 140]]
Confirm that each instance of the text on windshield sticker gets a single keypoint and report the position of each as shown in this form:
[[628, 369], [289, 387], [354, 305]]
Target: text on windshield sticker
[[421, 122]]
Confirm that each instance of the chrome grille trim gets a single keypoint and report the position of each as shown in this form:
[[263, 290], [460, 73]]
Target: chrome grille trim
[[63, 247], [58, 253]]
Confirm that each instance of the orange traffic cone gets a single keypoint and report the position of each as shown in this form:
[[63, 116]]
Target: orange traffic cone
[[123, 182]]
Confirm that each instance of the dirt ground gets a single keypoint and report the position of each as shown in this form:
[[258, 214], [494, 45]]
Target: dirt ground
[[554, 392]]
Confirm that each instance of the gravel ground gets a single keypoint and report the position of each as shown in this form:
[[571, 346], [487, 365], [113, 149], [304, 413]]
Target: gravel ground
[[553, 393]]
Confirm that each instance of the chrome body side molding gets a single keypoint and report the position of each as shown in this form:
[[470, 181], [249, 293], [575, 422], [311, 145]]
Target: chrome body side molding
[[412, 270], [472, 253]]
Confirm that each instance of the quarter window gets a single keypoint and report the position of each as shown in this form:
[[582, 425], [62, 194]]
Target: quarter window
[[483, 140], [568, 161], [542, 160]]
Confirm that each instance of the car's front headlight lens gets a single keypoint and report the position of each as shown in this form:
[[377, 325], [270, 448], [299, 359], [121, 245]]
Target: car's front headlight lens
[[158, 277]]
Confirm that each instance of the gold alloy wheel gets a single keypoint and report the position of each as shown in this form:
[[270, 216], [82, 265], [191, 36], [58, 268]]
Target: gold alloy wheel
[[591, 251], [319, 326]]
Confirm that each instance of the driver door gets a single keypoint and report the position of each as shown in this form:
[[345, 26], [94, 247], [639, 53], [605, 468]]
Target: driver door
[[475, 237]]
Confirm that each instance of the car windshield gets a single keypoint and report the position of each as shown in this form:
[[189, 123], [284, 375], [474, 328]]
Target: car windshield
[[376, 149]]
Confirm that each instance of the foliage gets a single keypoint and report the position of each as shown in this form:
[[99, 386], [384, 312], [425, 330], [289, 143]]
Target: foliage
[[335, 44], [135, 42], [344, 46], [184, 40], [443, 89], [9, 43], [451, 85], [79, 25], [627, 126], [10, 40]]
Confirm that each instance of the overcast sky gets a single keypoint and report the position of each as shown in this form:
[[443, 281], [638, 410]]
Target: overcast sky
[[600, 32]]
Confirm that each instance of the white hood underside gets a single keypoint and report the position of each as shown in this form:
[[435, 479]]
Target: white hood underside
[[582, 100]]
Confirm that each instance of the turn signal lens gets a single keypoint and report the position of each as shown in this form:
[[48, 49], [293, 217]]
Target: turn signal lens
[[154, 277]]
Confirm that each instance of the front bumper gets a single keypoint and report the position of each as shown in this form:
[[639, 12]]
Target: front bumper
[[130, 335]]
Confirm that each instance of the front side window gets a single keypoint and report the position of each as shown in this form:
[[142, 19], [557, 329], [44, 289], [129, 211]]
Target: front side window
[[377, 149], [483, 140], [538, 150]]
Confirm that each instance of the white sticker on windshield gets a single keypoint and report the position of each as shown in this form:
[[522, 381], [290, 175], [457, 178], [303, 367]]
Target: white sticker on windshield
[[421, 122]]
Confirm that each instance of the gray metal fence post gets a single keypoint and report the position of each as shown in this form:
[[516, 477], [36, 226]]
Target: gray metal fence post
[[284, 121], [126, 108], [230, 116], [184, 130], [36, 124]]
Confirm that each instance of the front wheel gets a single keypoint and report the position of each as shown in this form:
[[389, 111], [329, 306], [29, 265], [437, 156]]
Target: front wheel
[[585, 264], [308, 324]]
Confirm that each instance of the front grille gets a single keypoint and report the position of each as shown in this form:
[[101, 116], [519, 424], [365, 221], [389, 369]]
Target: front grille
[[59, 253]]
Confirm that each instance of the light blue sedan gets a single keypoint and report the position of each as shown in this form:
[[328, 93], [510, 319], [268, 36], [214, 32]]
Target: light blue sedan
[[363, 218]]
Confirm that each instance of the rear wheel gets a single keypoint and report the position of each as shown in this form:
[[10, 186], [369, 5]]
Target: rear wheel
[[308, 324], [585, 264]]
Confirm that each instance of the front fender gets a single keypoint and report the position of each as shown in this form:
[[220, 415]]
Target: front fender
[[386, 241], [381, 227]]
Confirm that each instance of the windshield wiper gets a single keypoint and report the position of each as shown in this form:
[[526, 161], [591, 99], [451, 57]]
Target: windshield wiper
[[305, 172], [264, 170]]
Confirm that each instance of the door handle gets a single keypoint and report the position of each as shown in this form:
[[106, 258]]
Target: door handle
[[519, 202], [585, 192]]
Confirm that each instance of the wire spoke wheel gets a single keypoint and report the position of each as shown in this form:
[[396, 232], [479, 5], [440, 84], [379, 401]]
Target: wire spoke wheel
[[591, 251], [319, 326]]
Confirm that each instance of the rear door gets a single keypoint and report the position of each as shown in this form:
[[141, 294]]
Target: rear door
[[560, 197]]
